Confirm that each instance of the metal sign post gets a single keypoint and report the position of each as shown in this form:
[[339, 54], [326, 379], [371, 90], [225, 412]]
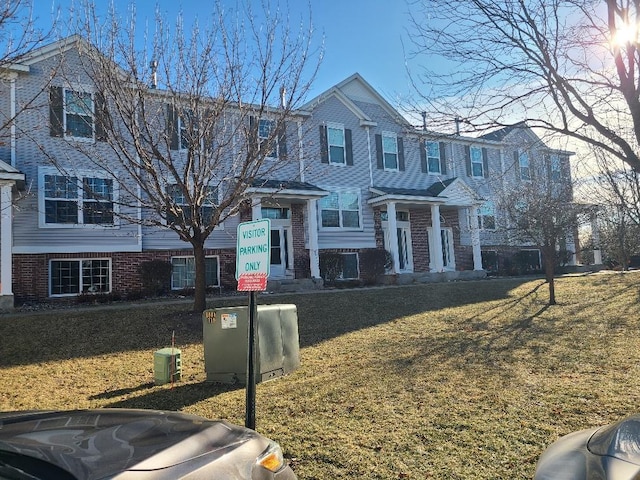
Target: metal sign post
[[253, 258]]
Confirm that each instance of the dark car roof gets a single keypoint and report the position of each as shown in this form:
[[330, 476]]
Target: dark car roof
[[99, 443]]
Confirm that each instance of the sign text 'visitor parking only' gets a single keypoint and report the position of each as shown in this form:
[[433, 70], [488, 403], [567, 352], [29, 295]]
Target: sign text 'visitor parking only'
[[253, 255]]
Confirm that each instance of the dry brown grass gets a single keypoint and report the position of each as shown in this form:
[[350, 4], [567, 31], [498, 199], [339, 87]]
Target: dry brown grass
[[462, 380]]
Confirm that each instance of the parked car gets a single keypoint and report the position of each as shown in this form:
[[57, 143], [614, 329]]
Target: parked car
[[605, 453], [126, 444]]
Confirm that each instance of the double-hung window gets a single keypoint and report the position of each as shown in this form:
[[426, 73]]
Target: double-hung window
[[183, 272], [390, 151], [183, 214], [477, 166], [433, 157], [487, 216], [266, 134], [340, 209], [78, 114], [76, 200], [336, 144], [523, 165], [76, 276]]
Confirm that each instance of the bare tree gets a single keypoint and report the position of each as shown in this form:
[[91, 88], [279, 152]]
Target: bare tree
[[191, 114], [540, 212], [568, 66], [615, 189]]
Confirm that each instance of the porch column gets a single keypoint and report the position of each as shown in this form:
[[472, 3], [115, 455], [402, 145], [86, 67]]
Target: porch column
[[6, 240], [438, 264], [312, 220], [392, 222], [256, 208], [571, 246], [595, 239], [475, 238]]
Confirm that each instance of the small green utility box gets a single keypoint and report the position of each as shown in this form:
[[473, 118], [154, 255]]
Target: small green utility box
[[226, 331], [167, 366]]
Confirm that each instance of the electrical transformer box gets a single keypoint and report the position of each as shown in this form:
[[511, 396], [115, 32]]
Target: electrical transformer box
[[225, 334], [167, 366]]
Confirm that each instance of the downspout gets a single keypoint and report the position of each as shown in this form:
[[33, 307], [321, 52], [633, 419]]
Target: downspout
[[300, 151], [370, 159], [13, 120]]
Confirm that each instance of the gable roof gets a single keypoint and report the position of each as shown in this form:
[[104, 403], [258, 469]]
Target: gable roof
[[11, 174], [355, 88], [452, 191], [500, 134]]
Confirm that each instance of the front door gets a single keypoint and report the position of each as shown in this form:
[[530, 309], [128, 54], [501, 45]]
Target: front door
[[403, 239], [448, 252], [280, 255]]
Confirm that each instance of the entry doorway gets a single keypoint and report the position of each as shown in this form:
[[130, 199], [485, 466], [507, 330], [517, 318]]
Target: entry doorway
[[281, 241], [402, 238], [448, 251]]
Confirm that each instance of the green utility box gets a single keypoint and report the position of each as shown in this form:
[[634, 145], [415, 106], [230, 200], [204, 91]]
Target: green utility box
[[226, 331], [167, 366]]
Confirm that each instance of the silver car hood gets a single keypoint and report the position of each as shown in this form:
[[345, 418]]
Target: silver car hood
[[101, 443]]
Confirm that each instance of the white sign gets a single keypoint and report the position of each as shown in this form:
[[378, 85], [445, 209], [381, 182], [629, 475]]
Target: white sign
[[253, 255], [229, 320]]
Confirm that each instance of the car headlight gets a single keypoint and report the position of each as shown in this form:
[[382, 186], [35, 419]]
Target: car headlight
[[272, 458]]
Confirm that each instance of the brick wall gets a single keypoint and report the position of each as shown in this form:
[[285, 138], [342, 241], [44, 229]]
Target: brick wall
[[301, 266]]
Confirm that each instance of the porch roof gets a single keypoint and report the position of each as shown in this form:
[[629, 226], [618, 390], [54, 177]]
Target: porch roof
[[11, 174], [451, 191], [286, 188]]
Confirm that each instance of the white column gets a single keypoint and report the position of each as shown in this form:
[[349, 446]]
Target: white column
[[6, 240], [392, 223], [312, 220], [475, 237], [436, 255], [595, 238], [13, 122], [256, 208]]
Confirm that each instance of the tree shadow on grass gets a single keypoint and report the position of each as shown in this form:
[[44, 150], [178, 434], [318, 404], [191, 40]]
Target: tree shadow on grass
[[174, 397]]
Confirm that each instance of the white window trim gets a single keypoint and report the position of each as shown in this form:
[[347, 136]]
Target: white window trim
[[191, 256], [340, 191], [471, 149], [397, 153], [481, 221], [276, 140], [79, 260], [429, 171], [520, 167], [555, 167], [341, 277], [79, 89], [42, 171], [337, 126]]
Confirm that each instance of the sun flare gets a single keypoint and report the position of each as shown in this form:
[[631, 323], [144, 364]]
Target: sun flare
[[625, 34]]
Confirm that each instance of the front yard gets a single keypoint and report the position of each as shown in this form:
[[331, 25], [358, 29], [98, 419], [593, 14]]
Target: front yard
[[461, 380]]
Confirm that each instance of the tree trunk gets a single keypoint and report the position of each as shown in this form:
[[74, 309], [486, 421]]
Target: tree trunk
[[549, 271], [200, 287]]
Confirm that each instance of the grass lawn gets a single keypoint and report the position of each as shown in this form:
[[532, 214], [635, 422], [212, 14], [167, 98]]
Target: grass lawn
[[467, 380]]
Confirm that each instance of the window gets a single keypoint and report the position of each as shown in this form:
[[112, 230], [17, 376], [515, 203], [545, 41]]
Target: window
[[76, 200], [523, 165], [349, 266], [183, 272], [276, 213], [266, 130], [78, 118], [340, 210], [401, 216], [433, 157], [477, 168], [73, 277], [487, 216], [184, 210], [76, 114], [390, 151], [335, 139], [556, 168]]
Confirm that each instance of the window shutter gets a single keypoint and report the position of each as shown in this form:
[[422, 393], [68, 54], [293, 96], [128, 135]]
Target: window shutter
[[467, 159], [400, 154], [101, 117], [172, 127], [422, 146], [324, 145], [516, 163], [443, 159], [56, 110], [485, 163], [282, 140], [379, 156], [348, 145]]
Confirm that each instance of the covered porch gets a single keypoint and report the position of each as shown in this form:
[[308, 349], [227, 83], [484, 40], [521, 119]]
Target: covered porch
[[10, 179], [423, 230]]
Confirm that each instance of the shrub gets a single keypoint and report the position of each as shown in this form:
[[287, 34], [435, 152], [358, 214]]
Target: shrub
[[373, 262], [156, 277], [331, 265]]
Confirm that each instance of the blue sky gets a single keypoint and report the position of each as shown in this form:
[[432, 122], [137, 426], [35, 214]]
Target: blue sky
[[364, 36]]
